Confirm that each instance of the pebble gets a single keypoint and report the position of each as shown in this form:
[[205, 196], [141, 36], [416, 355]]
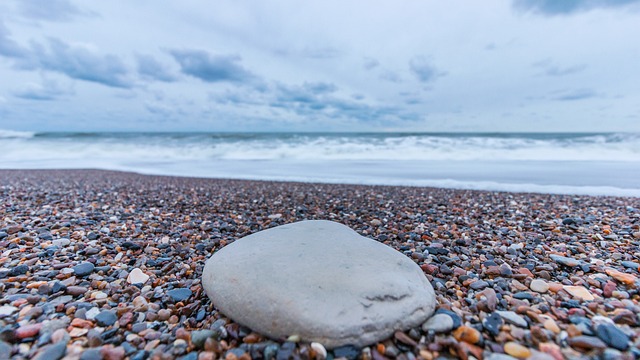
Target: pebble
[[52, 352], [321, 352], [586, 342], [566, 261], [513, 318], [106, 318], [539, 286], [179, 294], [438, 323], [136, 276], [516, 350], [7, 310], [27, 331], [492, 323], [83, 269], [612, 336], [467, 334], [579, 292]]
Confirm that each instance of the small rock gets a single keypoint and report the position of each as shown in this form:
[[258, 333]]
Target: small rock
[[586, 342], [516, 350], [76, 290], [7, 310], [478, 285], [136, 276], [106, 318], [624, 278], [179, 294], [539, 286], [613, 336], [467, 334], [321, 352], [513, 318], [27, 331], [438, 323], [198, 337], [110, 352], [348, 351], [52, 352], [83, 269], [566, 261], [492, 323], [579, 292]]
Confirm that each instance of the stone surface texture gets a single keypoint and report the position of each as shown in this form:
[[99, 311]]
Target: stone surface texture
[[319, 280]]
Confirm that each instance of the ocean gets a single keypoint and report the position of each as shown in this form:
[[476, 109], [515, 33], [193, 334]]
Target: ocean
[[561, 163]]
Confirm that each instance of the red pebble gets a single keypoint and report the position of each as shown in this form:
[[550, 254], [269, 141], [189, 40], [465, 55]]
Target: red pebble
[[608, 289], [27, 331]]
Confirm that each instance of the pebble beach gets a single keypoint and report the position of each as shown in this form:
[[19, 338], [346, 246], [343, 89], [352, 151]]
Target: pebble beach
[[107, 265]]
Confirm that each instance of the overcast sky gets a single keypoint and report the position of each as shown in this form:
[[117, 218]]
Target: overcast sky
[[512, 65]]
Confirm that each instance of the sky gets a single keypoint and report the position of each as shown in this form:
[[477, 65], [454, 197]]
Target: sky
[[196, 65]]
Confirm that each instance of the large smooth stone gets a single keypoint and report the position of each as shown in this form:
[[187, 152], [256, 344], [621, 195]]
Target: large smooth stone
[[319, 280]]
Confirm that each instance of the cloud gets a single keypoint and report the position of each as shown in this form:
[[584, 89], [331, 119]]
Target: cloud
[[551, 69], [151, 69], [212, 68], [578, 94], [370, 63], [8, 47], [45, 91], [312, 100], [50, 10], [78, 62], [424, 71], [390, 76], [326, 52], [566, 7]]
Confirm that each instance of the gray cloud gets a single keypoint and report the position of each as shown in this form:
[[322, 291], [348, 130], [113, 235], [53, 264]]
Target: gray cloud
[[311, 100], [551, 69], [390, 76], [74, 61], [45, 91], [423, 70], [151, 69], [370, 63], [326, 52], [578, 94], [212, 68], [8, 47], [78, 62], [50, 10], [566, 7]]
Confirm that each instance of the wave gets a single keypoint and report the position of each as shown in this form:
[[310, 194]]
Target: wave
[[12, 134], [345, 147]]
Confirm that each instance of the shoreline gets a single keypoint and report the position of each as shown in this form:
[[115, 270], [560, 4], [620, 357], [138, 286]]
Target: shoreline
[[444, 184], [518, 273]]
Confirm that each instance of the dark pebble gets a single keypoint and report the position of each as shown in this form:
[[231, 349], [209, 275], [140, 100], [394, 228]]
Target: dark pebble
[[91, 354], [179, 294], [106, 318], [83, 269], [52, 352], [140, 355], [492, 323], [285, 352], [348, 351], [457, 321], [613, 336], [19, 270]]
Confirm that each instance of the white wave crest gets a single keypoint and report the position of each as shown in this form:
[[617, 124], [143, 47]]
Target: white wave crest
[[12, 134]]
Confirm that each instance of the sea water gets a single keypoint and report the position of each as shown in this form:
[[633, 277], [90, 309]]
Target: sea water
[[566, 163]]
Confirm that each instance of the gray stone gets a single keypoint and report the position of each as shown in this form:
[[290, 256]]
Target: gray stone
[[513, 318], [52, 352], [83, 269], [321, 281], [439, 323]]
